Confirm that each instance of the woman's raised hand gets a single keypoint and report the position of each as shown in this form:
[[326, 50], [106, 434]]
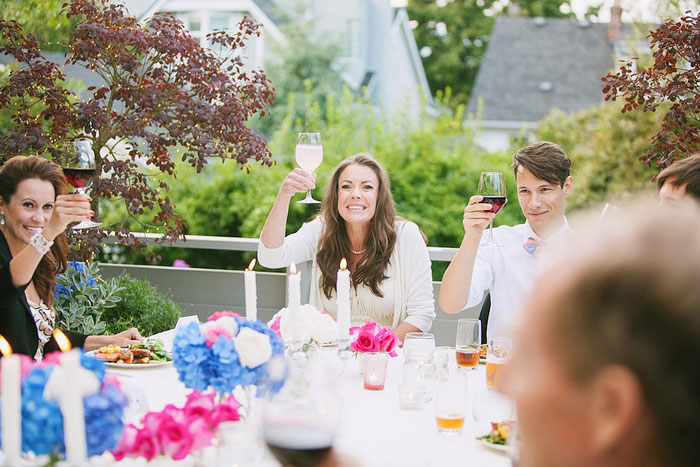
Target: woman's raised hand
[[477, 216], [297, 181], [67, 209]]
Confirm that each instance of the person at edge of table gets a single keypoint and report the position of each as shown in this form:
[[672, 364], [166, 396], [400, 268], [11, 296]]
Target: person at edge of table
[[34, 212], [680, 180], [542, 175], [605, 371], [387, 255]]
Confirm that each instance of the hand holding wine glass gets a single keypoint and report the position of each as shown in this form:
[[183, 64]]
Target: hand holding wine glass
[[492, 188], [80, 172], [309, 154]]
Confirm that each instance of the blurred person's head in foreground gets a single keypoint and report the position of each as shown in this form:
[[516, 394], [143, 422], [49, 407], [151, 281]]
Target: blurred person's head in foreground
[[680, 181], [605, 371]]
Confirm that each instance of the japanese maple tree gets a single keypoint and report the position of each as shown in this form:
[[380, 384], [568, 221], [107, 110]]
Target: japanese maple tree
[[674, 79], [160, 91]]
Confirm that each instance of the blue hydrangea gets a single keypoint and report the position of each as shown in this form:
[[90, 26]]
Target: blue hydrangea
[[200, 367], [42, 423]]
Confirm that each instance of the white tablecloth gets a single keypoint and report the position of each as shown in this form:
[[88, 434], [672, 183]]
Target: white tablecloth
[[374, 431]]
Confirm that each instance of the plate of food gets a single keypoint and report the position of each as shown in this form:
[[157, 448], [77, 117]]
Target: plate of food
[[497, 438], [482, 353], [149, 354]]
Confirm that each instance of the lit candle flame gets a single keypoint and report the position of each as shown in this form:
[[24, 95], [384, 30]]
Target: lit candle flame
[[343, 264], [61, 340], [292, 269], [5, 347], [251, 265]]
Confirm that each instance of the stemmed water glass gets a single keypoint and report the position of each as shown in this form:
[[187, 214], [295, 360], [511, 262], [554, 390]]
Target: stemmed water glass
[[80, 170], [309, 154], [492, 186]]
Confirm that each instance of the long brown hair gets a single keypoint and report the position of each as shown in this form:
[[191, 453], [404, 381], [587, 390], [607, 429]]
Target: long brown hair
[[15, 171], [381, 238]]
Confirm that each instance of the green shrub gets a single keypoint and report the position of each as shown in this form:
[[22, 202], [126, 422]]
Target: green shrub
[[141, 306], [81, 296]]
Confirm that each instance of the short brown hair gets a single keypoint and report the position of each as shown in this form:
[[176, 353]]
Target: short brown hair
[[683, 173], [546, 161], [633, 301]]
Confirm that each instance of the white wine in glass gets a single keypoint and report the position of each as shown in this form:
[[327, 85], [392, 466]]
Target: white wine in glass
[[309, 154]]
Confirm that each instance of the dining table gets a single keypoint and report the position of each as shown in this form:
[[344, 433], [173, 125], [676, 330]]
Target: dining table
[[373, 429]]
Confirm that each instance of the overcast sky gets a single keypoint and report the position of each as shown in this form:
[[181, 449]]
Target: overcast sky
[[633, 10]]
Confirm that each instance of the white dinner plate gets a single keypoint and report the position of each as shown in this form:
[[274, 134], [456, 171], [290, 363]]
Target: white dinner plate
[[130, 366], [496, 447]]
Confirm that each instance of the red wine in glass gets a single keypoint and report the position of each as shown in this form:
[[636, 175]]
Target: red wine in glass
[[79, 178], [298, 445], [496, 202]]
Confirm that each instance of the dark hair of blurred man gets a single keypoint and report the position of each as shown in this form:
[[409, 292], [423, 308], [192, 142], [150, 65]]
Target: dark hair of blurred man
[[680, 180], [606, 365]]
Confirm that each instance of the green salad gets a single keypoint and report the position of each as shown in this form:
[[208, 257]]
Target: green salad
[[156, 348]]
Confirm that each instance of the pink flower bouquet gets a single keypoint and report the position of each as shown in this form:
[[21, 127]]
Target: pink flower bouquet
[[372, 338], [176, 432]]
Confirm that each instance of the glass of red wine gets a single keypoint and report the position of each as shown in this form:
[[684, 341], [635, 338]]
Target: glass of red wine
[[80, 171], [299, 423], [492, 186]]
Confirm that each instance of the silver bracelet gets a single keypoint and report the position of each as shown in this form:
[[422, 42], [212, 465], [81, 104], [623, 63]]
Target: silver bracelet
[[40, 243]]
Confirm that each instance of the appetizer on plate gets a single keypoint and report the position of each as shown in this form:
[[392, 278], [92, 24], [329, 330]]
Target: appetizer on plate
[[149, 352], [499, 433]]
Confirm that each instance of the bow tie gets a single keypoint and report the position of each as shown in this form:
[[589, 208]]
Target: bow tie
[[531, 245]]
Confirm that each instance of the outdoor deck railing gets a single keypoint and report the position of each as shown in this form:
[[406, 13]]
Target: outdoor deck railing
[[204, 291]]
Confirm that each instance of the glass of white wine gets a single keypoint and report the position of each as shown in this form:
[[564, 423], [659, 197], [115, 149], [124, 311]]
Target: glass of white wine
[[309, 154]]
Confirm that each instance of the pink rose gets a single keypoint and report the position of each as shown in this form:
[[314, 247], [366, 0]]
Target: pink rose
[[126, 446], [137, 443], [275, 326], [175, 438], [366, 342], [220, 314], [387, 341], [199, 405], [226, 411], [213, 334]]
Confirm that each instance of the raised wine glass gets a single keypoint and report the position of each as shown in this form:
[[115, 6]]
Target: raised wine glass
[[492, 186], [309, 154], [80, 171]]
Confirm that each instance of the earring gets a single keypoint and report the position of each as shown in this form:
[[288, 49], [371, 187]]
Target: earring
[[2, 217]]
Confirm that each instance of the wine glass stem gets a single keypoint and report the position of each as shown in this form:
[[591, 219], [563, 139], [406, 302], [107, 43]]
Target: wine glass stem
[[491, 232]]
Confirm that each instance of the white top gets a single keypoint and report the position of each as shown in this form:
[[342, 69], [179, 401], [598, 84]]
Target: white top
[[408, 273], [508, 272], [366, 307]]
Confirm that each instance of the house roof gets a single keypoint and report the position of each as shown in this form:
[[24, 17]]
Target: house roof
[[532, 65]]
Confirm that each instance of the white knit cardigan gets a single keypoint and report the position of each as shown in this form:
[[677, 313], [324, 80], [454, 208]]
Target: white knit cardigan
[[409, 269]]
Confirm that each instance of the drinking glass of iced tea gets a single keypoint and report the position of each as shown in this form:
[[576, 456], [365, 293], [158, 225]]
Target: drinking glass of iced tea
[[451, 404], [499, 351], [468, 343]]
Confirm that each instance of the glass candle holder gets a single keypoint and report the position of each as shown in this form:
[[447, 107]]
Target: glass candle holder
[[374, 370]]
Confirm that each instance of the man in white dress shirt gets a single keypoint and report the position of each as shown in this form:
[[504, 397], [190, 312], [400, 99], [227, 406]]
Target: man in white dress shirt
[[508, 271]]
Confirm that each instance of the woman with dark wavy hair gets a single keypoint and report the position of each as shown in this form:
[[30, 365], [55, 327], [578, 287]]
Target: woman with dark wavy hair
[[35, 210], [387, 256]]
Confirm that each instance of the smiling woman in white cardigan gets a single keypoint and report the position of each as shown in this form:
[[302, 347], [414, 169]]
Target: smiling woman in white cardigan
[[387, 256]]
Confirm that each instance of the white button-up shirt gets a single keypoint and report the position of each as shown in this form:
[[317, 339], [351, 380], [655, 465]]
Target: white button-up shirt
[[508, 271]]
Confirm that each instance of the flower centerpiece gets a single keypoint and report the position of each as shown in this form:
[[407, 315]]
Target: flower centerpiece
[[372, 338], [42, 422], [176, 432], [314, 327], [373, 343], [229, 351]]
